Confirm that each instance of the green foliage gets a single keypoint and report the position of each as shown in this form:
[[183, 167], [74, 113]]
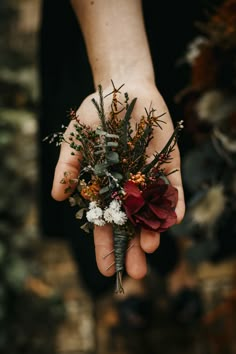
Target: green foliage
[[20, 332]]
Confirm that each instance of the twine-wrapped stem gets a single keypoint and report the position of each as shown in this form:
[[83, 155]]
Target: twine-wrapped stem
[[121, 239]]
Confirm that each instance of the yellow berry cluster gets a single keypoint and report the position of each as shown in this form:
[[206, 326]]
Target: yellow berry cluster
[[138, 178], [89, 191]]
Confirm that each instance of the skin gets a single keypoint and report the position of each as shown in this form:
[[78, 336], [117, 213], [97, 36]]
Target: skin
[[118, 49]]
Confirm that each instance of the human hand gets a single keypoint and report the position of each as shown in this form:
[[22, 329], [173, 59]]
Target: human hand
[[147, 241]]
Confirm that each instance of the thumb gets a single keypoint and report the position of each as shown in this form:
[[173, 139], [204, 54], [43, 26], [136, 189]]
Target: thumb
[[66, 173], [176, 181]]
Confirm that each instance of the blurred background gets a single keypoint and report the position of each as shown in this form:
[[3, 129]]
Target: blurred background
[[44, 307]]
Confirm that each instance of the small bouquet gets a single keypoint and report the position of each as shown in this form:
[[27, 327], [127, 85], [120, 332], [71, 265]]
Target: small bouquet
[[116, 184]]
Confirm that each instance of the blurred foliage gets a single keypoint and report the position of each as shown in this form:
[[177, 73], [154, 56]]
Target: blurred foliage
[[28, 315], [209, 166]]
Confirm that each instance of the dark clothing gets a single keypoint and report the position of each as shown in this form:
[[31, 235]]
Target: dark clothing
[[66, 80]]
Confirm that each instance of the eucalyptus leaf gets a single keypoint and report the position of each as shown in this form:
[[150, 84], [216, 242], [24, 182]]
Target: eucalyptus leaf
[[117, 176], [115, 136], [100, 132], [104, 190], [113, 157], [99, 152], [112, 144], [108, 135], [100, 169]]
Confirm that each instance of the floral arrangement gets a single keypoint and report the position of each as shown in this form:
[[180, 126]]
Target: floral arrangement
[[209, 111], [117, 185]]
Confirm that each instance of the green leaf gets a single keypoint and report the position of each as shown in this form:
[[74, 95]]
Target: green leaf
[[165, 179], [117, 175], [100, 169], [104, 190], [112, 144], [113, 136], [100, 132], [99, 152], [107, 135], [112, 157]]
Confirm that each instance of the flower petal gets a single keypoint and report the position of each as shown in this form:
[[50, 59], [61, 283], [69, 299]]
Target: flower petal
[[148, 223], [170, 221], [133, 200], [172, 195], [131, 189], [159, 211]]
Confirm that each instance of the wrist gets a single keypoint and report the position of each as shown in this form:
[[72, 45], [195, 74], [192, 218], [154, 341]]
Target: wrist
[[137, 85], [120, 72], [145, 90]]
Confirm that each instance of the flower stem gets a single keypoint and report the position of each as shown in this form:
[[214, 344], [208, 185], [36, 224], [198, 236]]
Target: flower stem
[[121, 238], [119, 286]]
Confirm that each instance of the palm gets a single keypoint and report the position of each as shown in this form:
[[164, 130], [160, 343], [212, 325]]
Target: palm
[[147, 241]]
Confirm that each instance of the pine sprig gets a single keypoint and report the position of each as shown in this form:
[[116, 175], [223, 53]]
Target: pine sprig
[[164, 156], [124, 128], [100, 108]]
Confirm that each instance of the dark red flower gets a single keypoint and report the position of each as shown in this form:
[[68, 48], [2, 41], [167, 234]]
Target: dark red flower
[[152, 208]]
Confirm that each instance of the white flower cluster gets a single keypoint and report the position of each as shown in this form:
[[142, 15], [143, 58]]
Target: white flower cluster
[[95, 214], [112, 214]]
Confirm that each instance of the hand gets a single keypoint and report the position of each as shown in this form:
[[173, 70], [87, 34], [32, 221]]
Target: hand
[[147, 241]]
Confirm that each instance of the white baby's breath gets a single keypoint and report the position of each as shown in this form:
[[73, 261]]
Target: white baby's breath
[[93, 205], [119, 218], [95, 214], [114, 214], [115, 205], [108, 215], [99, 222]]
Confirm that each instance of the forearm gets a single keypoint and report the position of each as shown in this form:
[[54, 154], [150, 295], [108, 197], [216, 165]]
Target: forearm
[[116, 40]]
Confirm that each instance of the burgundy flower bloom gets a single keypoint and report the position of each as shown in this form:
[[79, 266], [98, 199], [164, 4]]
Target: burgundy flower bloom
[[152, 208]]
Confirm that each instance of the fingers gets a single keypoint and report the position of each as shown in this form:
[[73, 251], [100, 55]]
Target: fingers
[[149, 241], [180, 207], [103, 242], [175, 180], [135, 263], [66, 163]]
